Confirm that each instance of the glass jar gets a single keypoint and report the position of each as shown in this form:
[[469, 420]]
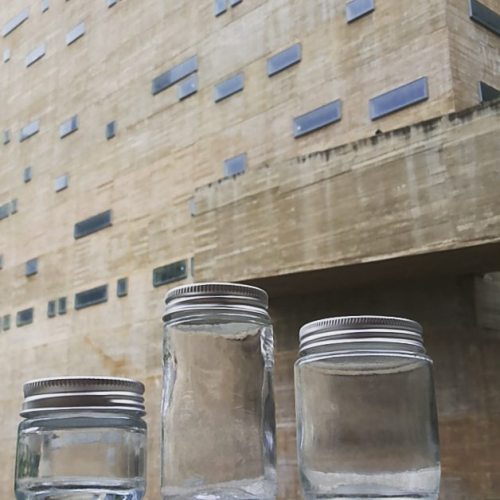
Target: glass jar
[[366, 412], [83, 438], [218, 427]]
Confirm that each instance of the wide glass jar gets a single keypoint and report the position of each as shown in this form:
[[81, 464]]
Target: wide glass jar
[[366, 412], [83, 438], [218, 427]]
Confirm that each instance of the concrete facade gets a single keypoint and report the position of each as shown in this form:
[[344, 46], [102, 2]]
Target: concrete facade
[[399, 215]]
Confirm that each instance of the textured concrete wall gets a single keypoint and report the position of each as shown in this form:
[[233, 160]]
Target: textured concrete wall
[[422, 189]]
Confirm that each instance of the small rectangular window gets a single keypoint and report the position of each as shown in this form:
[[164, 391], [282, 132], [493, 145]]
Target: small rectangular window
[[284, 59], [75, 33], [29, 130], [110, 130], [187, 87], [6, 55], [24, 317], [92, 224], [45, 5], [317, 118], [91, 297], [174, 75], [228, 87], [13, 206], [234, 3], [122, 287], [6, 322], [51, 308], [399, 98], [170, 273], [4, 211], [31, 267], [6, 136], [27, 174], [61, 183], [110, 3], [61, 305], [35, 55], [68, 126], [235, 165], [15, 22], [358, 8], [484, 16], [220, 6], [487, 92]]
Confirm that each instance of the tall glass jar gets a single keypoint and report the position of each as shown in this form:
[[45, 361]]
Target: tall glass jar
[[366, 412], [83, 438], [218, 427]]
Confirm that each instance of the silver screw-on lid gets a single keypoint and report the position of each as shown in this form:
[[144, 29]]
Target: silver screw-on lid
[[202, 295], [359, 329], [83, 393]]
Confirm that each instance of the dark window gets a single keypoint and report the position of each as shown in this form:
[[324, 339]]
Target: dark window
[[173, 75], [187, 87], [487, 92], [122, 287], [92, 224], [35, 55], [45, 5], [170, 273], [4, 210], [61, 183], [110, 130], [75, 33], [29, 130], [220, 6], [484, 16], [24, 317], [235, 165], [91, 297], [13, 206], [51, 308], [68, 127], [110, 3], [15, 22], [61, 305], [27, 174], [399, 98], [31, 267], [317, 118], [358, 8], [6, 55], [6, 322], [284, 59], [228, 87]]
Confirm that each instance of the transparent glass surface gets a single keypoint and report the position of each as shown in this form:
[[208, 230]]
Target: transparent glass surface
[[81, 456], [367, 426], [218, 424]]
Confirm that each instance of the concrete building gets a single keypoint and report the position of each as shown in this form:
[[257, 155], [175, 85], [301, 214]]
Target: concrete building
[[343, 155]]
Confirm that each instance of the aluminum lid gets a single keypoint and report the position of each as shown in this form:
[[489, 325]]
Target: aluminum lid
[[83, 393], [198, 295], [349, 329]]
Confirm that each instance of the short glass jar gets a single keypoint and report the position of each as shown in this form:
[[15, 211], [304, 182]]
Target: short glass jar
[[218, 423], [366, 412], [83, 438]]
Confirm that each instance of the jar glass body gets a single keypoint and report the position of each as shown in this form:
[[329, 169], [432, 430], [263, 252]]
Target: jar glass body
[[81, 454], [218, 423], [367, 424]]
